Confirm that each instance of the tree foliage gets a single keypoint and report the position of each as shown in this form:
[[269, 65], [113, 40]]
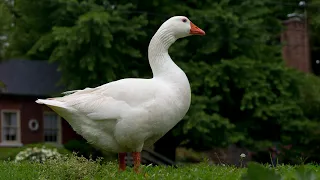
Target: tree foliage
[[5, 26], [241, 91]]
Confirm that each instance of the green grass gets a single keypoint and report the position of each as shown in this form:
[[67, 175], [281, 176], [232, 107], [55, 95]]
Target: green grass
[[80, 168]]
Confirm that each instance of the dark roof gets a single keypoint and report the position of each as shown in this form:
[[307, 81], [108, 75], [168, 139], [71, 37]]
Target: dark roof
[[26, 77]]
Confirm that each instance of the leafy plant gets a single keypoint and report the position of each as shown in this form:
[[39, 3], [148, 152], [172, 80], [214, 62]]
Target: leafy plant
[[261, 172], [83, 148], [2, 85], [5, 27], [37, 154], [305, 174], [258, 171]]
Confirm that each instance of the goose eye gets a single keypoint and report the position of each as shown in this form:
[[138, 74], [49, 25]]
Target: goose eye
[[184, 20]]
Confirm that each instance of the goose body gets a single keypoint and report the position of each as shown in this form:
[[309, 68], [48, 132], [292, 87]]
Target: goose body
[[129, 114]]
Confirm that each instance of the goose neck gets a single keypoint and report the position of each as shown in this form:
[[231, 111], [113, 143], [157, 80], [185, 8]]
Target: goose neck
[[159, 58]]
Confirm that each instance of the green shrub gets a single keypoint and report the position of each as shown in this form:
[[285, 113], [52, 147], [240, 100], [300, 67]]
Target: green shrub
[[82, 148], [36, 154], [9, 153], [255, 170]]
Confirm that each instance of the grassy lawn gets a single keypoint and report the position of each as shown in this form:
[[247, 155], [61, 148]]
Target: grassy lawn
[[80, 168]]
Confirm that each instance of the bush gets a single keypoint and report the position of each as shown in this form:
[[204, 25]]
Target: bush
[[253, 104], [242, 101], [307, 149], [59, 148], [82, 148], [37, 154], [11, 153]]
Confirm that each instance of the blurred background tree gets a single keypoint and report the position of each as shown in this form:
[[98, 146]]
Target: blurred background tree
[[5, 26]]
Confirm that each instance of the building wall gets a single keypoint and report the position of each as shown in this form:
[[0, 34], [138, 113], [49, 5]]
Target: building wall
[[296, 49], [31, 110]]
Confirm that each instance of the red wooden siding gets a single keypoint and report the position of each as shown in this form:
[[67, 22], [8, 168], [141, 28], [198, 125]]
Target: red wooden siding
[[31, 110]]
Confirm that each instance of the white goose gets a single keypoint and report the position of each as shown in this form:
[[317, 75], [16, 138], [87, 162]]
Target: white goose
[[128, 114]]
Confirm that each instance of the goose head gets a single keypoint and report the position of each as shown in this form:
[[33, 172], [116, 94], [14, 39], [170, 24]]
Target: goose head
[[180, 27], [171, 30]]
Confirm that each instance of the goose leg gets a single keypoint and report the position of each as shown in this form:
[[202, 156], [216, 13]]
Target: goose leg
[[122, 161], [136, 161]]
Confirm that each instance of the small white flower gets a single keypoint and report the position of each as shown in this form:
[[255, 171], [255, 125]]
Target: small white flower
[[242, 155], [302, 3], [37, 154]]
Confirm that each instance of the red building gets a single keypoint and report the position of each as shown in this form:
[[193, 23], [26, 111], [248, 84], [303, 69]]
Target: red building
[[296, 49], [22, 121]]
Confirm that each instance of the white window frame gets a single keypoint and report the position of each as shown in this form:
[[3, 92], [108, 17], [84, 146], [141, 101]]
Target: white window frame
[[17, 142], [59, 138]]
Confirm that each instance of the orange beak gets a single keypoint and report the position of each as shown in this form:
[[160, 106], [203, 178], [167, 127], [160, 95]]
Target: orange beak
[[195, 30]]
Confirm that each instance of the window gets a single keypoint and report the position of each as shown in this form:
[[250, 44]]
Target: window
[[10, 126], [51, 122]]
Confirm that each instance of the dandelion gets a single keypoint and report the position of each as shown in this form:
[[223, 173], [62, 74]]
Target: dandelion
[[302, 3], [242, 156]]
